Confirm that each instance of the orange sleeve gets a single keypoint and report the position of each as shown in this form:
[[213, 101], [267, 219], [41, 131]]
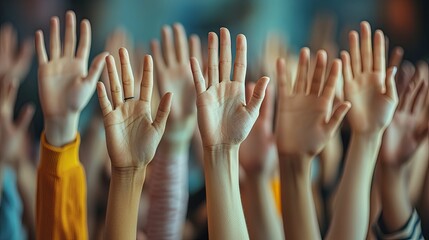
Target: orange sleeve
[[275, 187], [61, 193]]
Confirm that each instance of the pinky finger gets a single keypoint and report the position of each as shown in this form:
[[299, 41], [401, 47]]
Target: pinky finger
[[338, 116], [105, 105], [163, 112]]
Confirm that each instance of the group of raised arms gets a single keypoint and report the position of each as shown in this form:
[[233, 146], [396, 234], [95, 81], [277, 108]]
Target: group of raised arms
[[320, 147]]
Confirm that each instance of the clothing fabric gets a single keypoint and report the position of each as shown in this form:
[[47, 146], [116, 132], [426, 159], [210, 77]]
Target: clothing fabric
[[61, 193]]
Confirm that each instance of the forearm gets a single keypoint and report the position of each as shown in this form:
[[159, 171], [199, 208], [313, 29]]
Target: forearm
[[61, 174], [396, 205], [298, 210], [263, 221], [123, 203], [224, 209], [351, 215], [168, 192]]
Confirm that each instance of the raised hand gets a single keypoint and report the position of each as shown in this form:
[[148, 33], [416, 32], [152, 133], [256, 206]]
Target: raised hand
[[366, 85], [132, 137], [224, 117], [121, 38], [258, 150], [174, 75], [12, 133], [409, 125], [65, 84], [306, 120], [14, 65], [373, 96]]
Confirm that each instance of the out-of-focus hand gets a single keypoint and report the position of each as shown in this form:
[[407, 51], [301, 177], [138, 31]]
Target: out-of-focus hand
[[131, 134], [371, 92], [65, 84], [306, 120], [407, 130], [120, 38], [258, 153], [12, 133], [224, 116], [14, 64], [174, 74]]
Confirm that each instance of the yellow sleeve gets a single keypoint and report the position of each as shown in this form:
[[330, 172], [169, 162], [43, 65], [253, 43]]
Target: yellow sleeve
[[275, 187], [61, 193]]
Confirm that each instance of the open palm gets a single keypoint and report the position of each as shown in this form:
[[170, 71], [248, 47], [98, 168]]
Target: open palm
[[404, 135], [305, 121], [224, 117], [65, 84], [174, 75], [371, 91], [132, 137]]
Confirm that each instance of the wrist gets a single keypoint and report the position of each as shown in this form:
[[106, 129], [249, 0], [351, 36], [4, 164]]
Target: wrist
[[129, 175], [60, 131], [298, 165]]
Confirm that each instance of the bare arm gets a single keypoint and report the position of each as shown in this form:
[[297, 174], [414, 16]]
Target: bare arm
[[373, 96], [225, 120]]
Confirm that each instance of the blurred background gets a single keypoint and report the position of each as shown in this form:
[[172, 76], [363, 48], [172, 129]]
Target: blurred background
[[405, 22], [299, 23]]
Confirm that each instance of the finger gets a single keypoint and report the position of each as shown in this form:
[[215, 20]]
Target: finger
[[146, 86], [338, 116], [168, 46], [55, 42], [379, 51], [225, 55], [42, 57], [213, 64], [334, 74], [163, 112], [396, 57], [115, 85], [105, 105], [319, 73], [302, 75], [25, 116], [249, 90], [6, 39], [96, 68], [157, 55], [419, 97], [84, 40], [195, 48], [366, 46], [126, 74], [258, 95], [347, 69], [390, 83], [24, 58], [70, 35], [284, 84], [355, 52], [181, 45], [200, 85], [267, 107], [240, 62]]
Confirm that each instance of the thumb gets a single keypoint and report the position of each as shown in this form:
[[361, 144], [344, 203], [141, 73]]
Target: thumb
[[258, 95], [96, 68], [25, 117], [338, 116], [163, 112]]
